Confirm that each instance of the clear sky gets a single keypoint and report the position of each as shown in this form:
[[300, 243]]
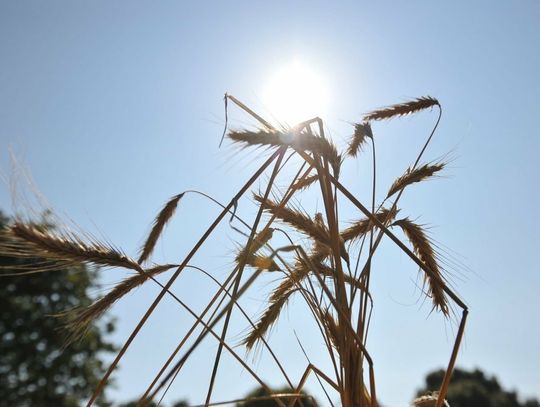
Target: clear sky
[[113, 107]]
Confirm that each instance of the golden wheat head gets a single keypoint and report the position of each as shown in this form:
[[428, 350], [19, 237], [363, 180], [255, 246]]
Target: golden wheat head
[[402, 109]]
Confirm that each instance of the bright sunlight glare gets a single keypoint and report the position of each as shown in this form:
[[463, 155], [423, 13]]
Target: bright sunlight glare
[[295, 93]]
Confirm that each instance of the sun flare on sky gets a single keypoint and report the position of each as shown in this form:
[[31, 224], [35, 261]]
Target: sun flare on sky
[[294, 93]]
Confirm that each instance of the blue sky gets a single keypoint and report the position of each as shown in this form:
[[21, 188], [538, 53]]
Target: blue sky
[[113, 107]]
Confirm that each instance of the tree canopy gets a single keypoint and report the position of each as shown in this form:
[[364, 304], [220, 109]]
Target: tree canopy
[[260, 392], [36, 368], [474, 389]]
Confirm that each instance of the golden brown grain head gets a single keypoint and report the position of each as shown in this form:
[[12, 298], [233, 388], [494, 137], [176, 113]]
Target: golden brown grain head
[[295, 218], [362, 131], [304, 183], [278, 300], [424, 250], [331, 328], [263, 263], [402, 109], [267, 320], [414, 175], [320, 146], [79, 320], [298, 140], [315, 229], [258, 138], [66, 247], [257, 243], [159, 224], [365, 225]]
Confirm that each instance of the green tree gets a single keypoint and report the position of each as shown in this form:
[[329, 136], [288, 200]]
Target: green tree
[[259, 392], [134, 403], [474, 389], [36, 368]]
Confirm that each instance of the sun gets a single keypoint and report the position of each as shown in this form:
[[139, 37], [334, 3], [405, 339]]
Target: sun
[[294, 93]]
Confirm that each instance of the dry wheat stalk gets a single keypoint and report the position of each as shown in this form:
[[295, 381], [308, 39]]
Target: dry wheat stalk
[[402, 109], [329, 303]]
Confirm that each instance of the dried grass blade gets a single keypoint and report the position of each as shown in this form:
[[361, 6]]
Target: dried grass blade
[[402, 109], [414, 175], [161, 220], [425, 252]]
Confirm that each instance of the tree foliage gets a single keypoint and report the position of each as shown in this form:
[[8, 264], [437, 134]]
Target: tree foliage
[[260, 392], [36, 368], [474, 389]]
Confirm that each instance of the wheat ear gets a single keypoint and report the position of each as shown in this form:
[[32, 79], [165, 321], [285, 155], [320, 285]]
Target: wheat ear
[[402, 109], [296, 219], [301, 141], [424, 250], [364, 225], [68, 247], [161, 220], [414, 175], [79, 320], [304, 183], [362, 131]]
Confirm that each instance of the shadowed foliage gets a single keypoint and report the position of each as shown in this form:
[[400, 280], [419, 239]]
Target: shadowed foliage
[[260, 392], [475, 389]]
